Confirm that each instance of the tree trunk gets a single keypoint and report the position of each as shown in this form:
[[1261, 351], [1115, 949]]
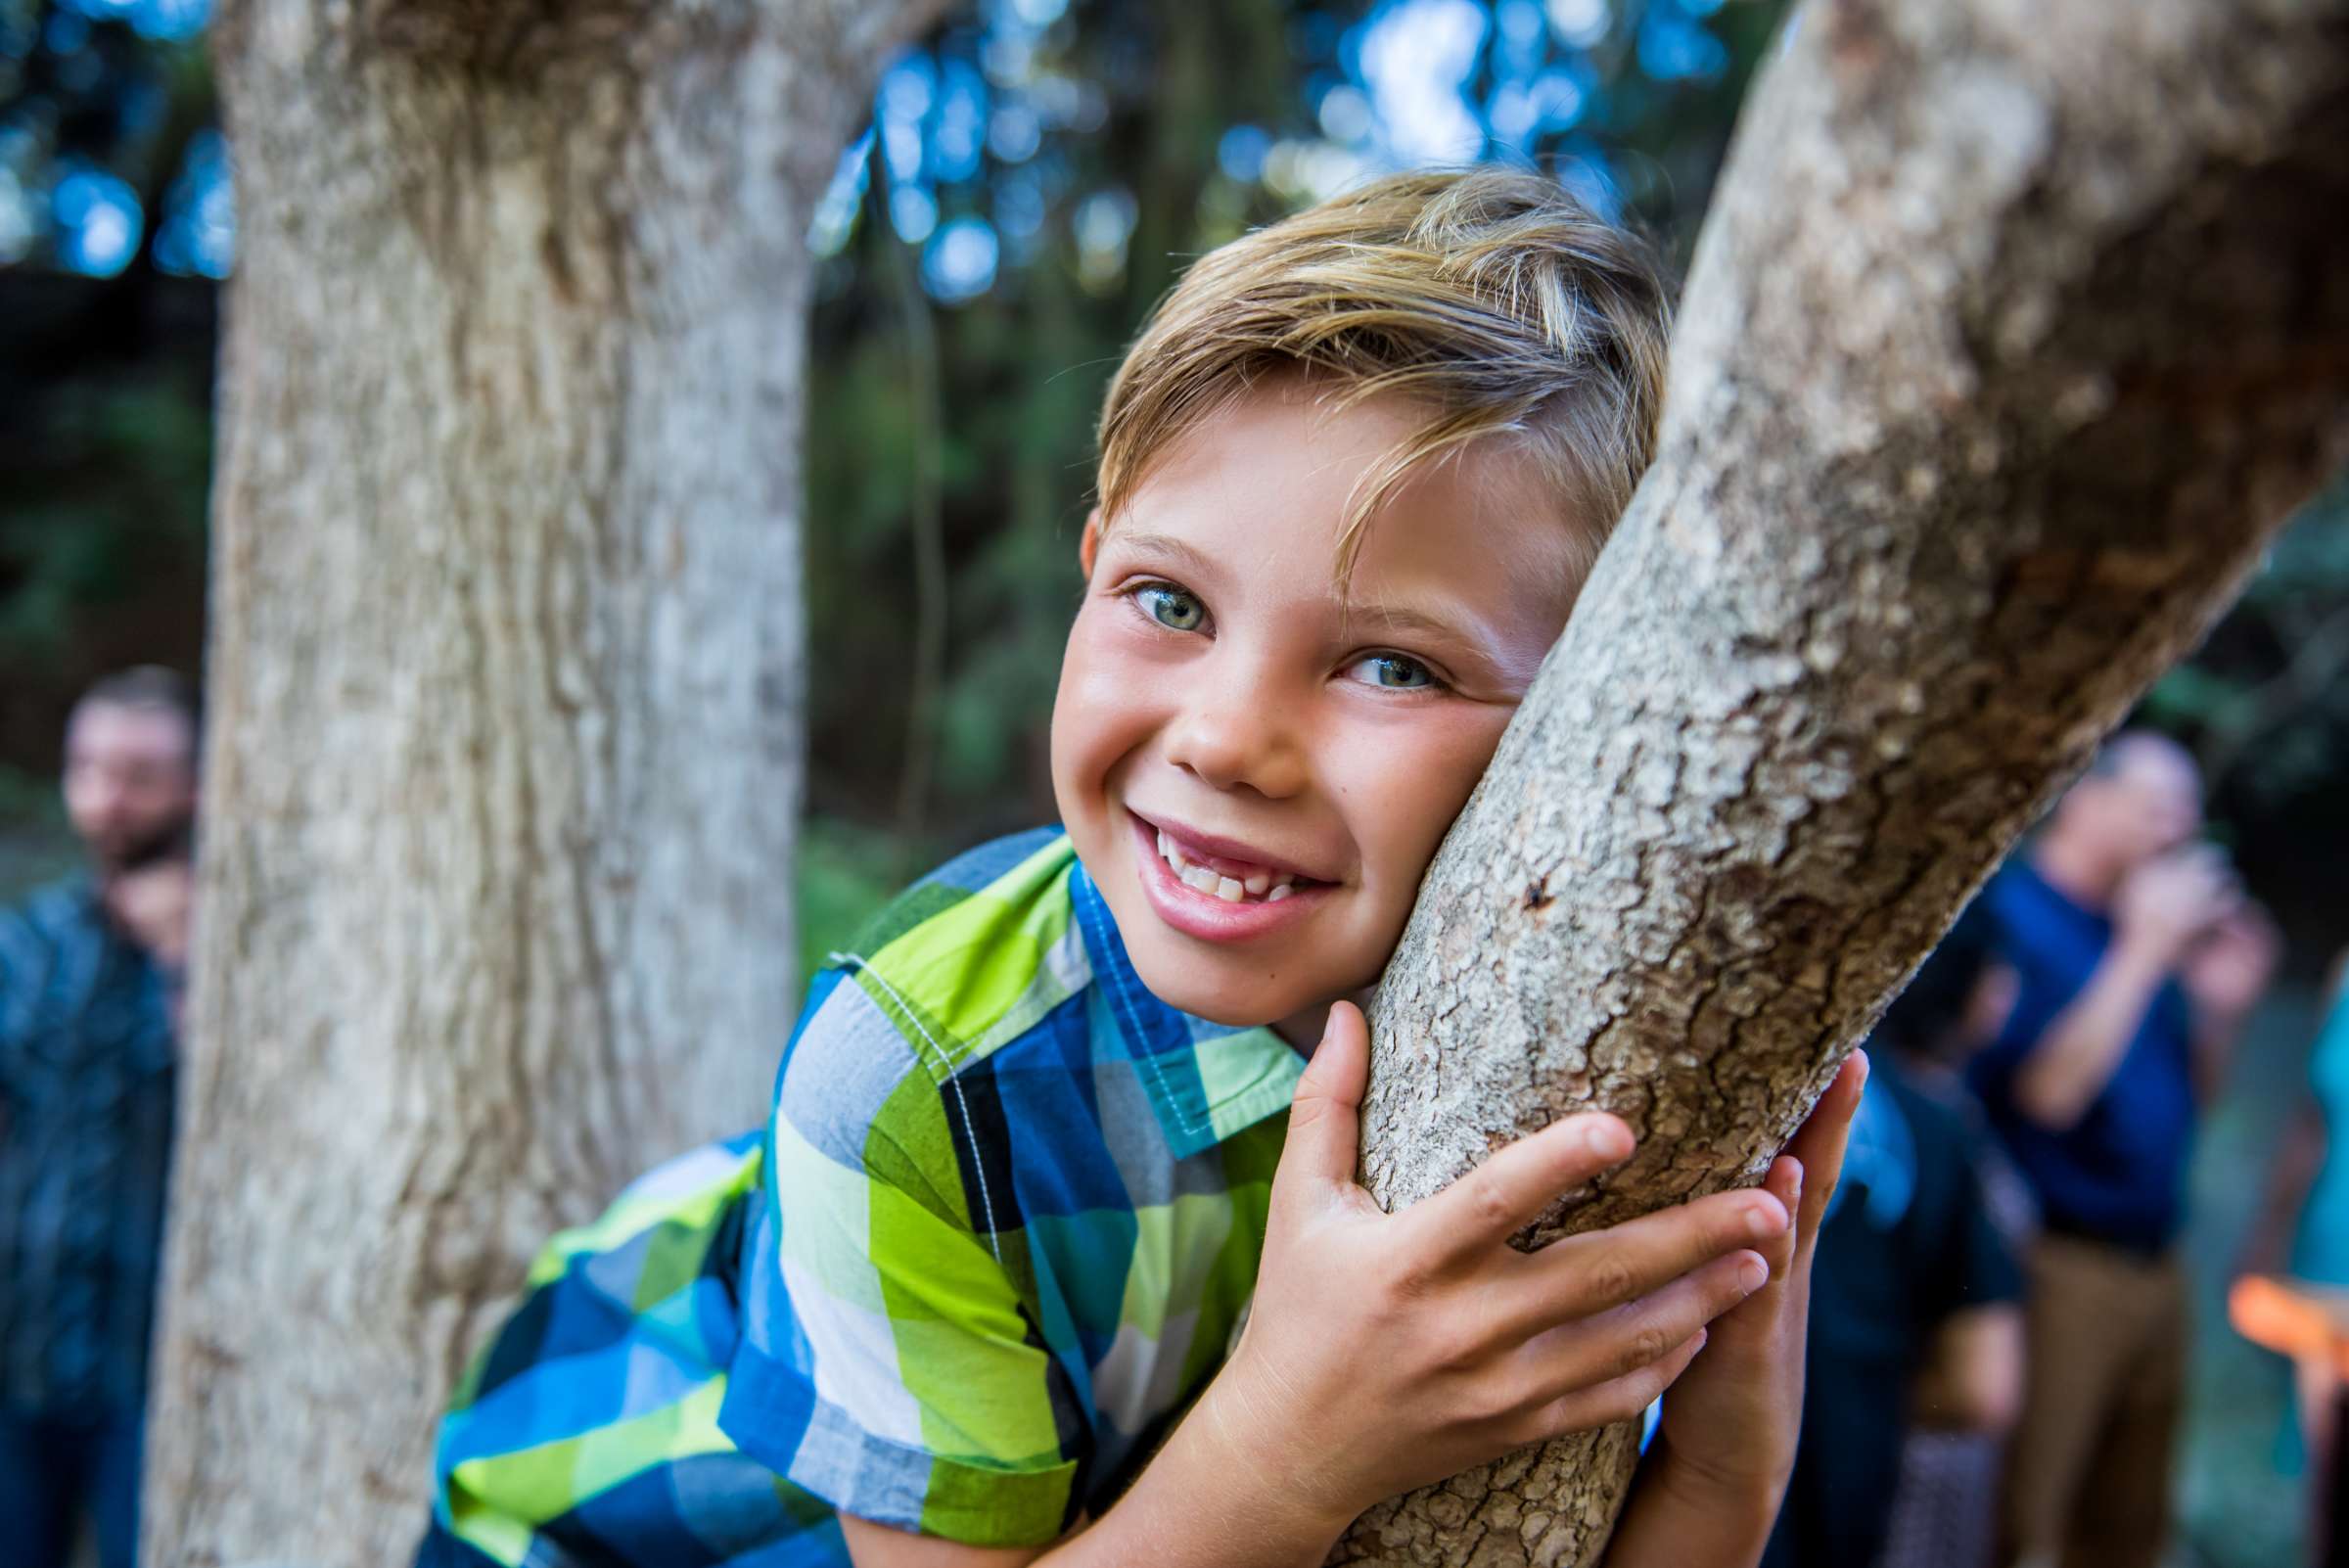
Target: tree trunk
[[505, 750], [2014, 332]]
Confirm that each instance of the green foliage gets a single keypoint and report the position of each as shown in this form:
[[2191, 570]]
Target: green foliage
[[846, 873], [102, 541], [2266, 701], [119, 486], [36, 845]]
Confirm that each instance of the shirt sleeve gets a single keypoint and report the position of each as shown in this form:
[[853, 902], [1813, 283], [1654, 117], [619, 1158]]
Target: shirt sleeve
[[892, 1360], [2039, 997], [1993, 1068]]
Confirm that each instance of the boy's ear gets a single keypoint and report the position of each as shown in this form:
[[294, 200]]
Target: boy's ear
[[1089, 543]]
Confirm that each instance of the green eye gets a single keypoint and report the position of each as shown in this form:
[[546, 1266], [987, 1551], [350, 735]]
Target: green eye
[[1391, 672], [1174, 609]]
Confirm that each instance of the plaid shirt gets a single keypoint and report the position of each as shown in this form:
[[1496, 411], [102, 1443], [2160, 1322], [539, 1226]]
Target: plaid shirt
[[999, 1230], [85, 1134]]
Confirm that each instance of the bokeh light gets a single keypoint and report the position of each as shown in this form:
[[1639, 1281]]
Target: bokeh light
[[98, 222], [959, 262], [198, 235]]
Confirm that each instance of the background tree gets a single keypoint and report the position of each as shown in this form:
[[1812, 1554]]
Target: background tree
[[2000, 361], [504, 752]]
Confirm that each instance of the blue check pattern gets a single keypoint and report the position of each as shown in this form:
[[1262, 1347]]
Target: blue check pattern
[[999, 1229]]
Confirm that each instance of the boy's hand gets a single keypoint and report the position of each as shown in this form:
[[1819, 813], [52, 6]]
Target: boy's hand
[[1710, 1486], [1387, 1352]]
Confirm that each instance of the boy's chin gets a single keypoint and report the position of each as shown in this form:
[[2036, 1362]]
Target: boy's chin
[[1245, 1001]]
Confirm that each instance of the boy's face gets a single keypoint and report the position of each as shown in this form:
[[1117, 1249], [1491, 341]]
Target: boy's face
[[1223, 690]]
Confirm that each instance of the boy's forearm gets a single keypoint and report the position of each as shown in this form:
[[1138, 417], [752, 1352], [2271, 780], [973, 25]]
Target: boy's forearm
[[1192, 1506], [1205, 1500]]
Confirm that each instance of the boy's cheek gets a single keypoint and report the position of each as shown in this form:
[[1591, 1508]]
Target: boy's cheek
[[1105, 710], [1403, 799]]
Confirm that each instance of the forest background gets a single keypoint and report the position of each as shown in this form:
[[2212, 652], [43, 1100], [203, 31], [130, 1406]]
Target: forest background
[[1034, 175]]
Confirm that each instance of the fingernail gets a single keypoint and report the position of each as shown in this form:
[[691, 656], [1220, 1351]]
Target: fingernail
[[1608, 1141], [1702, 1335], [1753, 1274], [1762, 1221]]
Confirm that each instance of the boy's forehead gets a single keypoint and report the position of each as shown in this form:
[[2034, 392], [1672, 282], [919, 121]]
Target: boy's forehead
[[1268, 481]]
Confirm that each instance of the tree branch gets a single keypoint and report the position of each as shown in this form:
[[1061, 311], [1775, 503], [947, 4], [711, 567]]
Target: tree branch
[[2013, 334]]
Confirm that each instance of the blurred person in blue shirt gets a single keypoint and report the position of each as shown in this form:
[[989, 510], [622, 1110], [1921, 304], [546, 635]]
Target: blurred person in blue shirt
[[88, 973], [1914, 1316], [2133, 961]]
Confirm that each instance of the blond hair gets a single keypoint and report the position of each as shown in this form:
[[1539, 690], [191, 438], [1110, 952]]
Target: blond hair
[[1490, 297]]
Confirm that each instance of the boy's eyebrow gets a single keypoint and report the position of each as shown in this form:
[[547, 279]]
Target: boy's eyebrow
[[1164, 544], [1400, 617]]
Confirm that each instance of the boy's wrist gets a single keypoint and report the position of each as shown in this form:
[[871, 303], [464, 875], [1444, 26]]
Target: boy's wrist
[[1276, 1477], [1743, 1500]]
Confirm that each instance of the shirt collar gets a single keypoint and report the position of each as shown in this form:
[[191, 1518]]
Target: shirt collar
[[1205, 1080], [2036, 883]]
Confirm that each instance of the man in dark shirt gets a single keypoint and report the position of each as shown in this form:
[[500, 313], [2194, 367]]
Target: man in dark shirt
[[2133, 961], [85, 1123]]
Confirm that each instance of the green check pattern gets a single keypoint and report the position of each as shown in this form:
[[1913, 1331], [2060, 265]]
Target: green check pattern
[[998, 1230]]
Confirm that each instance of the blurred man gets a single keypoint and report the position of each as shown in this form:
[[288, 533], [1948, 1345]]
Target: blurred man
[[85, 1123], [2135, 961]]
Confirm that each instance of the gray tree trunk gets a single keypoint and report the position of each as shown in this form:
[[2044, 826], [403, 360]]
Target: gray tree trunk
[[505, 748], [2014, 332]]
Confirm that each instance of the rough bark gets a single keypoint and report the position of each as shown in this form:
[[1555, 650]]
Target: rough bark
[[2014, 332], [505, 750]]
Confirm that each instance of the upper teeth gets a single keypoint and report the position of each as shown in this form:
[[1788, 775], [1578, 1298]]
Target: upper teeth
[[1260, 885]]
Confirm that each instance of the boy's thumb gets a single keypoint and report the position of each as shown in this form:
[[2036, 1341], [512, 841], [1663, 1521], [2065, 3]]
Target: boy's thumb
[[1326, 1117]]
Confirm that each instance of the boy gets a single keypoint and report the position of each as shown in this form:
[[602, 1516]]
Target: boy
[[976, 1297]]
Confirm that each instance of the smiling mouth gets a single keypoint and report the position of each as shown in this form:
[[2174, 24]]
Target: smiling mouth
[[1222, 877], [1211, 875]]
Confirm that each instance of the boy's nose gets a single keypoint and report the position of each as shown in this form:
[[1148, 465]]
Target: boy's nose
[[1238, 735]]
